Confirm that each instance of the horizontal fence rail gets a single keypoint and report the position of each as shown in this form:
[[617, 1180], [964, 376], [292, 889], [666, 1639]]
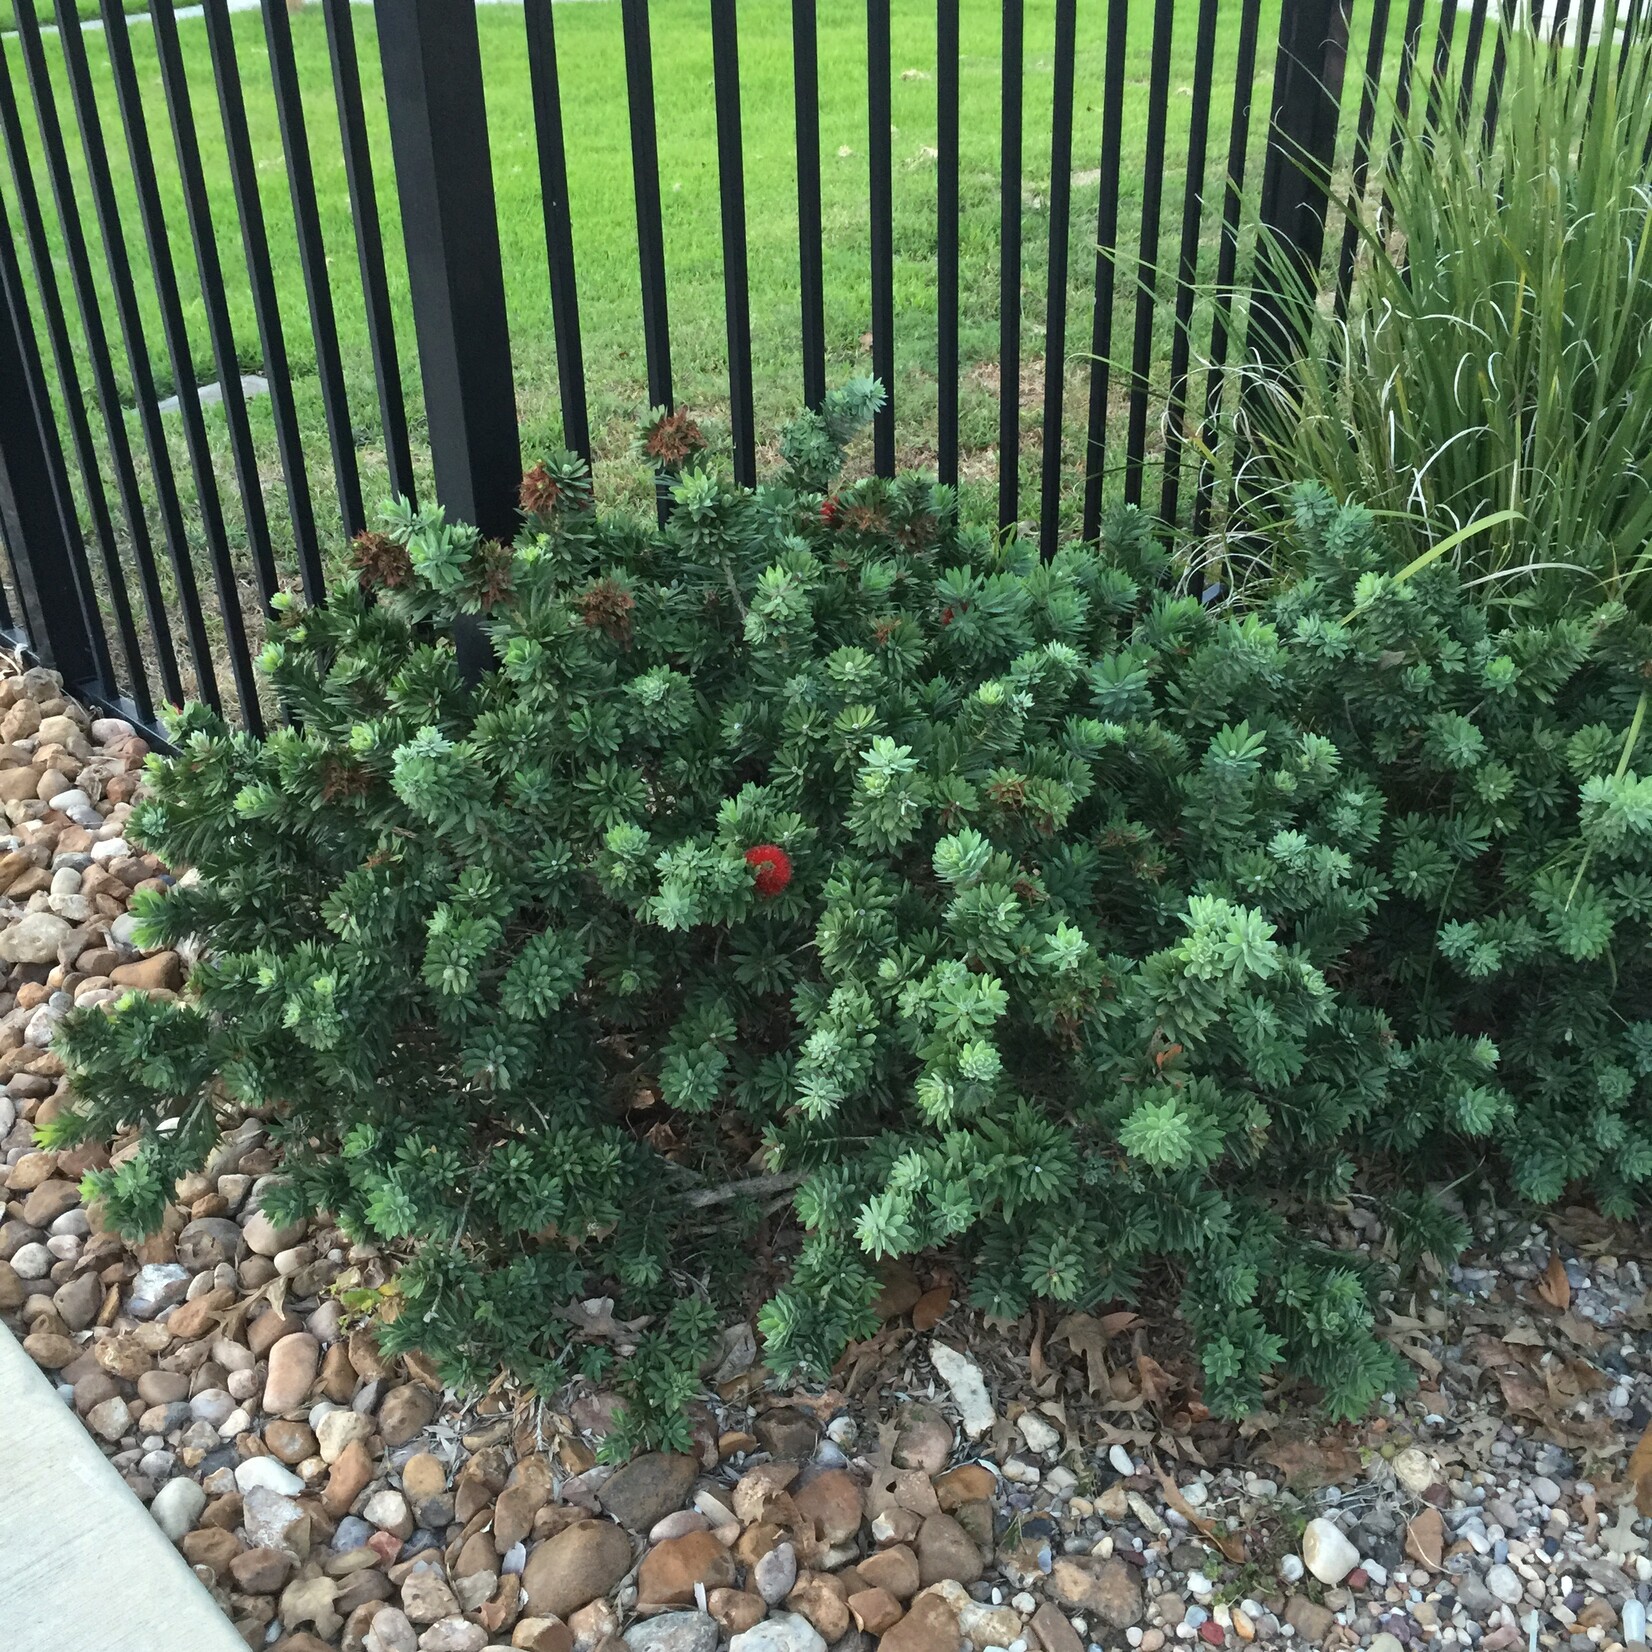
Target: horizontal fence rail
[[262, 269]]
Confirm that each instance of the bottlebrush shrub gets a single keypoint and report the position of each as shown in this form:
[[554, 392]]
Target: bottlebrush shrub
[[1020, 910]]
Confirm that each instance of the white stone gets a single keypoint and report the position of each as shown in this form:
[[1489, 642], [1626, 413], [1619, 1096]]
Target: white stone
[[177, 1506], [1326, 1552], [157, 1286], [337, 1430], [1120, 1459], [1504, 1582], [267, 1472], [1415, 1470], [1290, 1568], [782, 1632], [1634, 1622], [32, 1261], [975, 1412], [1040, 1434]]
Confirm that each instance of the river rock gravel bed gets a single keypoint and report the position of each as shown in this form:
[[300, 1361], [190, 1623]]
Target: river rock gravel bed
[[1041, 1487]]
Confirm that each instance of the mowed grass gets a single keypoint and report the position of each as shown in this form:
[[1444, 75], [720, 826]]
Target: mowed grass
[[590, 50]]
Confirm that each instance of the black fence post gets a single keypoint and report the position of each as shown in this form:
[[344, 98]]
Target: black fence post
[[1296, 175], [40, 530], [444, 178]]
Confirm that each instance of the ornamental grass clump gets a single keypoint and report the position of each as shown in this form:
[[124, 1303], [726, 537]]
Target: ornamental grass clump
[[819, 844], [1495, 361]]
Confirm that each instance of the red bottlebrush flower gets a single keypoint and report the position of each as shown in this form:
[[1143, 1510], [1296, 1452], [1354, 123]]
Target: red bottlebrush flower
[[946, 615], [773, 867], [828, 512]]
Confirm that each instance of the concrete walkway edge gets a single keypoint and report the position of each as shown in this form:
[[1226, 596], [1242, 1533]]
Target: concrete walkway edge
[[83, 1567]]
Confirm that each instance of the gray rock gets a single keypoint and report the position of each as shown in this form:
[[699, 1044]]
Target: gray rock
[[780, 1632], [34, 939], [674, 1632], [393, 1632], [453, 1635], [1478, 1601], [649, 1488], [1504, 1582], [352, 1533], [158, 1285], [775, 1574], [177, 1506], [209, 1240]]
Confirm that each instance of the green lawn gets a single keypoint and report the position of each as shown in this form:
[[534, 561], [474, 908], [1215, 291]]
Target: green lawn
[[589, 46]]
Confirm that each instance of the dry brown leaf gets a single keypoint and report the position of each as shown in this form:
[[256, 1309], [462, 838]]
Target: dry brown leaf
[[1156, 1382], [1639, 1472], [1524, 1336], [1230, 1543], [825, 1405], [1522, 1392], [1087, 1336], [1580, 1331], [1310, 1464], [1554, 1287], [931, 1308]]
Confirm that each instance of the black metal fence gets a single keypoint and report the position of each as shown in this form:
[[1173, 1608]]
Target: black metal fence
[[1116, 332]]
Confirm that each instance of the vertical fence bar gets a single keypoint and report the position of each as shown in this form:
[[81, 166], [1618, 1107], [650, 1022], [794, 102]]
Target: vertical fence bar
[[1147, 250], [1227, 257], [364, 216], [266, 309], [731, 184], [645, 168], [1471, 61], [1187, 271], [1374, 49], [946, 239], [87, 458], [1055, 302], [208, 506], [1442, 63], [203, 237], [1631, 28], [1307, 94], [36, 509], [1011, 77], [881, 197], [1499, 66], [645, 178], [131, 324], [444, 175], [811, 284], [1585, 27], [312, 257], [1107, 248], [537, 16]]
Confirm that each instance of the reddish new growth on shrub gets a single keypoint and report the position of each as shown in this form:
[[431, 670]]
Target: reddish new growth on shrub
[[773, 867], [541, 492], [607, 606], [672, 440], [381, 564]]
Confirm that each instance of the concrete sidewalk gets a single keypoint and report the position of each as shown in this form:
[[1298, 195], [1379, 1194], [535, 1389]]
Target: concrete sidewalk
[[83, 1568]]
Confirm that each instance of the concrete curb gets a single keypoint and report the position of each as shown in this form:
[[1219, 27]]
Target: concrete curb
[[83, 1567]]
